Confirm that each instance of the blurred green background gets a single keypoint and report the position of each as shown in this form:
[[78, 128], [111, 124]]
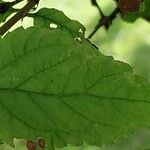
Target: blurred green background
[[127, 42]]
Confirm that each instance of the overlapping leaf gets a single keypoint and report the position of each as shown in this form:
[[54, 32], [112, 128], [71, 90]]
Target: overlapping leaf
[[54, 86], [45, 17], [5, 13]]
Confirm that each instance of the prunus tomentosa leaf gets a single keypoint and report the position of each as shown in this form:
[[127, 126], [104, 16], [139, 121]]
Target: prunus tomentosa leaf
[[5, 15], [44, 17], [64, 90], [1, 142], [5, 11]]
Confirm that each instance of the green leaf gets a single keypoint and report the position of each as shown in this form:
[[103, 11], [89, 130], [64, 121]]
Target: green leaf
[[1, 142], [66, 91], [45, 17], [4, 16]]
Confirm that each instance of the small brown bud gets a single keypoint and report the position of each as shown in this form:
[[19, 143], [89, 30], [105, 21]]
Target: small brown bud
[[129, 5], [31, 145], [41, 142]]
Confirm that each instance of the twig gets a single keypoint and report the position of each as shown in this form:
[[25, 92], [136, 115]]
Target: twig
[[94, 3], [4, 28], [6, 6], [105, 21]]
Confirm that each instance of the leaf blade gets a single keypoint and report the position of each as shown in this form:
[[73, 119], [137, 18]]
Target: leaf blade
[[67, 92]]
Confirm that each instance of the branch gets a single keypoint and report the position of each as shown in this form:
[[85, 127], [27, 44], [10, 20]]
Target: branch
[[4, 28], [5, 6], [94, 3], [105, 21]]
